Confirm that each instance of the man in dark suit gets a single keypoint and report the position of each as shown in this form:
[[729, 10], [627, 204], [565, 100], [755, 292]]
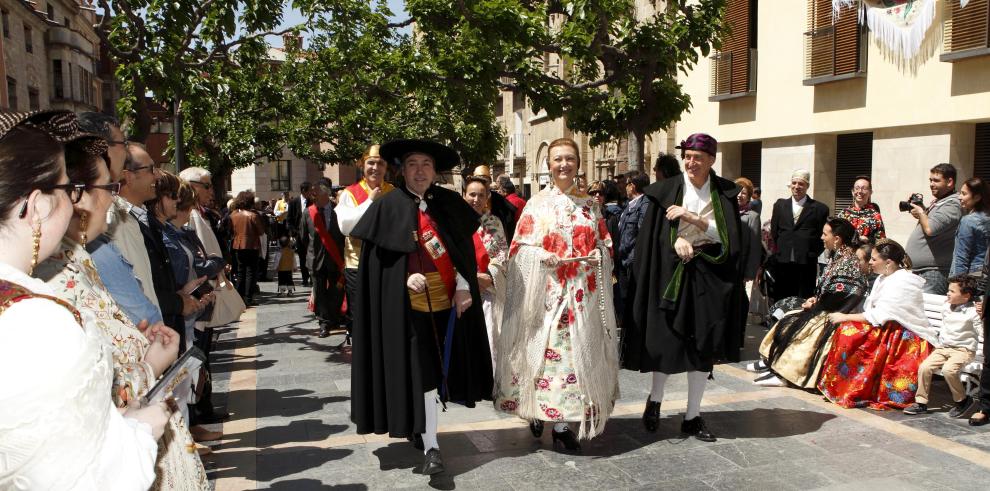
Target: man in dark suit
[[325, 257], [294, 224], [796, 229]]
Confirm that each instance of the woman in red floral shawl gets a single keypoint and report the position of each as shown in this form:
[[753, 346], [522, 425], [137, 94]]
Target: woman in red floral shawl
[[557, 349], [863, 214]]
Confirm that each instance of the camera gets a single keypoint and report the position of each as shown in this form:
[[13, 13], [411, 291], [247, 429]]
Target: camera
[[914, 199]]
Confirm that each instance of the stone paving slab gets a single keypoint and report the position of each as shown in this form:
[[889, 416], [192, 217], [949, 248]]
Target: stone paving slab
[[291, 430]]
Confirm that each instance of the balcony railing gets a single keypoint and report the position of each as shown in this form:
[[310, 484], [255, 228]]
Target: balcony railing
[[731, 76]]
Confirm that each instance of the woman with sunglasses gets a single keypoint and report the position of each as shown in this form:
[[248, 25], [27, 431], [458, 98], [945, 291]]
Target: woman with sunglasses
[[140, 353], [59, 427]]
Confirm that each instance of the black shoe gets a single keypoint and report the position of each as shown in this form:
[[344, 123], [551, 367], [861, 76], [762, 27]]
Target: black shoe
[[536, 428], [345, 342], [916, 408], [697, 428], [432, 463], [212, 418], [417, 441], [567, 439], [324, 331], [962, 407], [651, 416]]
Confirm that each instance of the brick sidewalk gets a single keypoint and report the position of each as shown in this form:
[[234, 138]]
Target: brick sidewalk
[[288, 391]]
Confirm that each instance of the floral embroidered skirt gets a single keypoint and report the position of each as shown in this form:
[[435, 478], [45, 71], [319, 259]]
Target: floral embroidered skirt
[[557, 392], [873, 366]]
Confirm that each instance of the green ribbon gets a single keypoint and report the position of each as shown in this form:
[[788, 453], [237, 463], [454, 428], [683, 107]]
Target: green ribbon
[[673, 290]]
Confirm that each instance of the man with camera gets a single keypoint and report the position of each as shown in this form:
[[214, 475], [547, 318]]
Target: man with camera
[[931, 243]]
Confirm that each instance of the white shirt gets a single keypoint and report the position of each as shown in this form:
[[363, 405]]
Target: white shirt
[[60, 428], [696, 200], [797, 206], [462, 284], [349, 213]]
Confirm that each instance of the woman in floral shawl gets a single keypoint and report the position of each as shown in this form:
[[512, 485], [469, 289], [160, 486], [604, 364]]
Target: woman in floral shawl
[[864, 214], [139, 358], [491, 252], [794, 349], [557, 349]]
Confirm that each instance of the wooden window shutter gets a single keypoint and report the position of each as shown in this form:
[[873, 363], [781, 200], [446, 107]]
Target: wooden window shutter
[[752, 161], [966, 28], [833, 43], [981, 155], [853, 157], [732, 64]]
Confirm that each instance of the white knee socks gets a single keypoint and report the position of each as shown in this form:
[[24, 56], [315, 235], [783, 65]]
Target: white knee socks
[[696, 389], [430, 435], [656, 393]]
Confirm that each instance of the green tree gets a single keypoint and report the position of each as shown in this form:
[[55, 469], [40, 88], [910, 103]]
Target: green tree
[[619, 68]]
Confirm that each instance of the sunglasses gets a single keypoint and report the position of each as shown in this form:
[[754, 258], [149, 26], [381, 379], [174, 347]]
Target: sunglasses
[[593, 193], [74, 190]]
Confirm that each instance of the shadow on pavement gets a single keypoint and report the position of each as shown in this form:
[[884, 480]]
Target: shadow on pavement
[[271, 464], [285, 403], [312, 484], [299, 431]]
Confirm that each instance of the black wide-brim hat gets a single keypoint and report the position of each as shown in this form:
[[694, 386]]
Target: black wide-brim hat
[[62, 126], [444, 157]]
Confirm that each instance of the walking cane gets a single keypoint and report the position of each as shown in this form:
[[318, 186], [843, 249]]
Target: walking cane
[[444, 391]]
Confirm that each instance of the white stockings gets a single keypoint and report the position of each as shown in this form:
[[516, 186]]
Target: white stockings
[[430, 435], [696, 390]]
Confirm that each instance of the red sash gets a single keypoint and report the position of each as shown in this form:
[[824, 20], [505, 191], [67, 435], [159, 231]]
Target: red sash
[[430, 241], [357, 190], [481, 254], [328, 243]]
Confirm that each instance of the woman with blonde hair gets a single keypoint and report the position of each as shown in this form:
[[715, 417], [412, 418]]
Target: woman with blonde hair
[[558, 346]]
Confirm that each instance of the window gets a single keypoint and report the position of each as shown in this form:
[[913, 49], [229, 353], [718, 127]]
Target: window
[[981, 154], [281, 178], [733, 71], [34, 100], [28, 42], [51, 12], [835, 44], [965, 31], [12, 94], [58, 80], [6, 23], [752, 162], [853, 157]]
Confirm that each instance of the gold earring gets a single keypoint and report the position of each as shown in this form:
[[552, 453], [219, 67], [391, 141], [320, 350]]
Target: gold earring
[[83, 225], [36, 235]]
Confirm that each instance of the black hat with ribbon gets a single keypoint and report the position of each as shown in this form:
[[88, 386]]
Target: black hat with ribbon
[[444, 157]]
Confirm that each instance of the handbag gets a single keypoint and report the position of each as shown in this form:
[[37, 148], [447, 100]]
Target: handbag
[[228, 305]]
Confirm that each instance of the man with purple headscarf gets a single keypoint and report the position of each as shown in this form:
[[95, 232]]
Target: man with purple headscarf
[[689, 304]]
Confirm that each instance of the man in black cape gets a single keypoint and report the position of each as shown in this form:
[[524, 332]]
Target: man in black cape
[[689, 301], [419, 332]]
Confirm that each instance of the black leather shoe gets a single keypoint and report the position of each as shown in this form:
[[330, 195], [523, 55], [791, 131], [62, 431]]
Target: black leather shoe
[[536, 427], [324, 331], [432, 463], [212, 418], [567, 439], [697, 428], [651, 416]]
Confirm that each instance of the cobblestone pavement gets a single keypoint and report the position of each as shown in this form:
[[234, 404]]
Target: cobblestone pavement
[[288, 393]]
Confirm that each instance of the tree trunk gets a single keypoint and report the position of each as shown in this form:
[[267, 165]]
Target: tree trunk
[[636, 150], [180, 147], [141, 127]]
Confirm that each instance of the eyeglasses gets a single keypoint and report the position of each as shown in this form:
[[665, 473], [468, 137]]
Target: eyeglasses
[[858, 189], [205, 185], [118, 142], [143, 167], [74, 190], [596, 192], [113, 188]]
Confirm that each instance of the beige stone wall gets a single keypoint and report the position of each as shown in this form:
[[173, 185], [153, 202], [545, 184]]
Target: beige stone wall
[[28, 69]]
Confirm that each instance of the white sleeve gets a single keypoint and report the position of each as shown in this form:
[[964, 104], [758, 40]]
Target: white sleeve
[[462, 284], [349, 213], [127, 459], [712, 231]]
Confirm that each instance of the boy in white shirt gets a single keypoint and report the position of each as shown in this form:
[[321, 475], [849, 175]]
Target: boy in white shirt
[[958, 339]]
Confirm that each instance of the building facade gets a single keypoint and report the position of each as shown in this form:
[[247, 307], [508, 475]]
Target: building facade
[[51, 57], [804, 84]]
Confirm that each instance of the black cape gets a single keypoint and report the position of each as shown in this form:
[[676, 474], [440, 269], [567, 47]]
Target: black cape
[[707, 321], [506, 213], [386, 381]]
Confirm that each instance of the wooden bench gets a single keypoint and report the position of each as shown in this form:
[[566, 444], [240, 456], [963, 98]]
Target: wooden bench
[[970, 373]]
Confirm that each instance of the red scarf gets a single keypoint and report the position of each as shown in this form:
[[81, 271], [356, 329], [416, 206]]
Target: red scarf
[[328, 243], [481, 254], [429, 240]]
